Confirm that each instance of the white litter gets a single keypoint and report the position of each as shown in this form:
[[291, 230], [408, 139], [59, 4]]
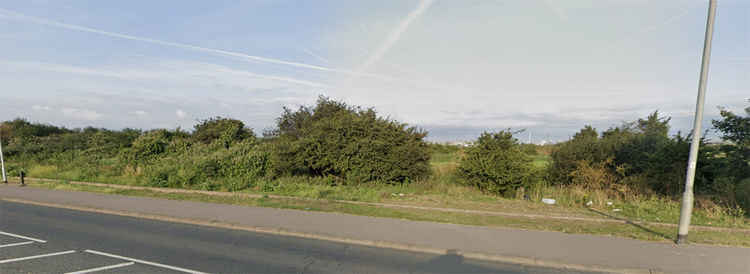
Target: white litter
[[590, 203], [549, 201], [617, 210], [609, 203]]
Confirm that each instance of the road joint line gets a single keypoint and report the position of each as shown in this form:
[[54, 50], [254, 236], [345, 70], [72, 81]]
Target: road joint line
[[36, 256], [17, 244], [21, 237], [144, 262], [102, 268]]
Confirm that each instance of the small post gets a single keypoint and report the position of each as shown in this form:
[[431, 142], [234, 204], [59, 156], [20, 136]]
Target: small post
[[2, 161]]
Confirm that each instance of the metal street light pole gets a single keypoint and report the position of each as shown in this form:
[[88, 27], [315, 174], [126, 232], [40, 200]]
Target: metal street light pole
[[687, 197]]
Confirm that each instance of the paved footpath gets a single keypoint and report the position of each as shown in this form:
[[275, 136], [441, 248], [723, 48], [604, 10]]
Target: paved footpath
[[536, 247]]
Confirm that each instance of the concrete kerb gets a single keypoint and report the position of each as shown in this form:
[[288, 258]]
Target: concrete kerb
[[386, 205], [330, 238]]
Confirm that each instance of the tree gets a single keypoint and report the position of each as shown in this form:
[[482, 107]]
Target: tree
[[734, 128]]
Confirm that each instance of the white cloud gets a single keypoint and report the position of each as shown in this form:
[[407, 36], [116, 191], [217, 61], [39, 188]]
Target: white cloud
[[140, 113], [81, 114], [181, 114]]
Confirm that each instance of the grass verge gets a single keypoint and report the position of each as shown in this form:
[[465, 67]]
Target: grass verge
[[641, 232]]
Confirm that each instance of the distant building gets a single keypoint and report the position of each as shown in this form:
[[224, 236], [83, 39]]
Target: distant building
[[459, 143]]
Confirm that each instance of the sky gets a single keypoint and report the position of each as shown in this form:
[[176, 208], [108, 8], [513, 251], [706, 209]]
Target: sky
[[455, 68]]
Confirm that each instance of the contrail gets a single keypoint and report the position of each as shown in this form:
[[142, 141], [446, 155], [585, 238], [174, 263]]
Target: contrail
[[42, 21], [320, 58], [395, 35], [683, 12], [114, 74]]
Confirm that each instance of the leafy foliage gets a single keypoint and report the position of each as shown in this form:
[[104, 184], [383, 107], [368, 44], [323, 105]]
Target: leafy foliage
[[349, 143], [639, 155], [220, 129], [496, 163]]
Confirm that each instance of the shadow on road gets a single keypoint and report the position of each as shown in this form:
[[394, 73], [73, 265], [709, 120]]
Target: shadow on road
[[453, 262], [639, 226]]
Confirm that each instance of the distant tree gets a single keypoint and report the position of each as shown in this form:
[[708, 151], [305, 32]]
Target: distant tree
[[654, 125], [736, 156], [733, 127]]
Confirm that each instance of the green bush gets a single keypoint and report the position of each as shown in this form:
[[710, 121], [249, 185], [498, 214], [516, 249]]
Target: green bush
[[639, 155], [585, 146], [224, 130], [497, 164], [742, 194], [148, 147], [350, 143]]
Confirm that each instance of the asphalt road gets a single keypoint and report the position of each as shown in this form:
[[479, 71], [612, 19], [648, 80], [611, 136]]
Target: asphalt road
[[75, 241]]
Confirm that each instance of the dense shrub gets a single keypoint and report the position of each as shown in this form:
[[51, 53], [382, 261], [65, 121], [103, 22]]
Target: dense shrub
[[350, 143], [148, 147], [220, 129], [209, 167], [496, 163], [585, 146], [742, 194], [638, 155]]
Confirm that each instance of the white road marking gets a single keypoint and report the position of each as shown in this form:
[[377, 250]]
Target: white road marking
[[37, 256], [144, 262], [22, 237], [17, 244], [101, 268]]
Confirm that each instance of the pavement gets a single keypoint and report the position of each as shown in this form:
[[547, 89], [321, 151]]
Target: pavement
[[535, 248]]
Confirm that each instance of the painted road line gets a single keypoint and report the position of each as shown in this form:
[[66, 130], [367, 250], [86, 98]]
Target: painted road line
[[22, 237], [17, 244], [144, 262], [36, 257], [102, 268]]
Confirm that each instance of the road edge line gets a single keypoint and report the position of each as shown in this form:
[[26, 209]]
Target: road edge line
[[367, 243]]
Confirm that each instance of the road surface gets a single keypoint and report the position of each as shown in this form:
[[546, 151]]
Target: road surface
[[35, 239]]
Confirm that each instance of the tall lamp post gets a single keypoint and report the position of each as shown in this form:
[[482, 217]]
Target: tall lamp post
[[687, 197]]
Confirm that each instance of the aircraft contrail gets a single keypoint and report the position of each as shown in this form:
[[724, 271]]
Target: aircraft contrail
[[320, 58], [395, 35], [46, 22], [115, 74]]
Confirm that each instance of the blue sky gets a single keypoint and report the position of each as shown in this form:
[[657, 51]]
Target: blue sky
[[453, 67]]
